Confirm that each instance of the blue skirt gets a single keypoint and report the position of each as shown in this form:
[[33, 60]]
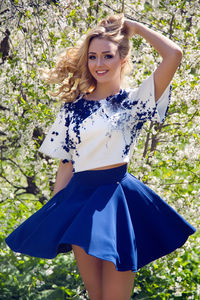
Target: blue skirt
[[110, 214]]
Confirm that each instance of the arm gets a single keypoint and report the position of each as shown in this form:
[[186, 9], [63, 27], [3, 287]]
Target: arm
[[63, 176], [170, 52]]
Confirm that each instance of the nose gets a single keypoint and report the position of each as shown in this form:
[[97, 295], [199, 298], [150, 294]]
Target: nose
[[99, 61]]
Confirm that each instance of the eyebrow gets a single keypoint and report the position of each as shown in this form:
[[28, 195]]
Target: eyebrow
[[101, 52]]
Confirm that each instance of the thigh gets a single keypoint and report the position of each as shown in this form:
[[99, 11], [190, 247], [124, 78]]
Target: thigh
[[116, 285], [90, 269]]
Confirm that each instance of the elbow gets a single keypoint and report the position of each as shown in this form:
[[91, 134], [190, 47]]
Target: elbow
[[174, 56], [178, 54]]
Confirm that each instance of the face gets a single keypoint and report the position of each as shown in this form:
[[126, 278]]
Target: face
[[104, 61]]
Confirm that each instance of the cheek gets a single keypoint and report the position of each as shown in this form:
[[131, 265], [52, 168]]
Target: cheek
[[115, 66], [90, 66], [114, 63]]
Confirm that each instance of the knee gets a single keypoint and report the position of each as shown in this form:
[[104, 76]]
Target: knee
[[94, 294], [113, 297], [93, 287], [115, 294]]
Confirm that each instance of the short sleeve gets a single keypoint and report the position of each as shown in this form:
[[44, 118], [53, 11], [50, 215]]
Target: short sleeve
[[143, 104], [54, 144]]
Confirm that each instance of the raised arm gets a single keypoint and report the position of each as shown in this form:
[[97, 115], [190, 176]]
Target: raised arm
[[170, 52], [63, 176]]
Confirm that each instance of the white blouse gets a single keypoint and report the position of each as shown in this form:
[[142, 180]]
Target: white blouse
[[97, 133]]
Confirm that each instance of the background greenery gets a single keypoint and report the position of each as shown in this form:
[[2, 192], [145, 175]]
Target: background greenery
[[32, 33]]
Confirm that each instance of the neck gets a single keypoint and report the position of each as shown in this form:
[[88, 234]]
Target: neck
[[104, 90]]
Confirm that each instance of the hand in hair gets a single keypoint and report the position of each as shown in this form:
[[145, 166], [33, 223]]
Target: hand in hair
[[168, 50], [130, 27]]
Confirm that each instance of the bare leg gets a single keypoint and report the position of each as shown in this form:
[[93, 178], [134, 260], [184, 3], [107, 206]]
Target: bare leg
[[101, 279], [90, 269], [116, 285]]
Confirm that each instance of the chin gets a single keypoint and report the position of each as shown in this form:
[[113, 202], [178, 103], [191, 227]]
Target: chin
[[106, 79]]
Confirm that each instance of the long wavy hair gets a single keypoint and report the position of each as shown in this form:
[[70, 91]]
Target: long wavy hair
[[71, 70]]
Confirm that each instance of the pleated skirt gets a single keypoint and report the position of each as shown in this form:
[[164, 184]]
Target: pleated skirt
[[111, 215]]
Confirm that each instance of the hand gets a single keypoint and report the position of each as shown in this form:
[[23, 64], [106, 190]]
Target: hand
[[130, 27]]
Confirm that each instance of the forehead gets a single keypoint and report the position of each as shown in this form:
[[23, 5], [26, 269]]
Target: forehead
[[100, 45]]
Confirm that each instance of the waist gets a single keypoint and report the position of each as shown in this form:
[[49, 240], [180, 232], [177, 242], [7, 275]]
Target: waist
[[105, 176]]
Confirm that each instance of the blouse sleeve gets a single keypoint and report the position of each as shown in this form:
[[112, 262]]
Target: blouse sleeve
[[54, 145], [142, 101]]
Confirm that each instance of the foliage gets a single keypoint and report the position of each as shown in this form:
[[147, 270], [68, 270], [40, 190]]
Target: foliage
[[167, 158]]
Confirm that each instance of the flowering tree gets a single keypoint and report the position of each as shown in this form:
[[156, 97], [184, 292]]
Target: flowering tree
[[32, 33]]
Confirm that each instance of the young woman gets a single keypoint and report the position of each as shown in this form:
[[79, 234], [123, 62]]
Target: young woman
[[113, 222]]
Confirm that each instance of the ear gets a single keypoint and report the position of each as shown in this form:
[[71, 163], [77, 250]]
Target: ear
[[123, 61]]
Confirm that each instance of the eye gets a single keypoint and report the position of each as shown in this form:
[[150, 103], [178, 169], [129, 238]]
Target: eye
[[108, 56], [91, 57]]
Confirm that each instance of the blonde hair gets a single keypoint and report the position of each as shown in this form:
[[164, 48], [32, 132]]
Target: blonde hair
[[72, 71]]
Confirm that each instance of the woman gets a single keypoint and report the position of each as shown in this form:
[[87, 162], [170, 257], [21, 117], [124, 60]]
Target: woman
[[113, 222]]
